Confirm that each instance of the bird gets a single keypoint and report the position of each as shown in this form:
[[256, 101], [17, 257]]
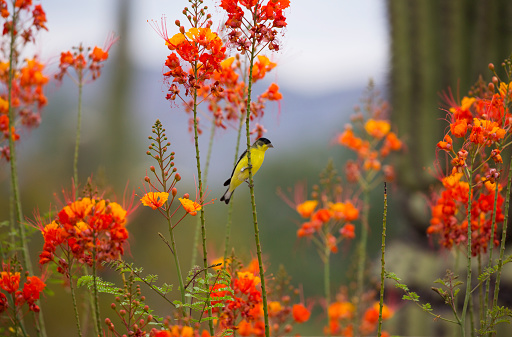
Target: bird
[[241, 170]]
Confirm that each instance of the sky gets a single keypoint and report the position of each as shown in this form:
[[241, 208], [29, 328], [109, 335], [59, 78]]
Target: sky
[[328, 45]]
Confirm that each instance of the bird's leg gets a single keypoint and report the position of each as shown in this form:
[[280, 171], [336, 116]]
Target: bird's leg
[[246, 168], [248, 184]]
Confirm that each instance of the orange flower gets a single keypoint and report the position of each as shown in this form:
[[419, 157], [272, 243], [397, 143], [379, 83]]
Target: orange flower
[[272, 93], [261, 67], [154, 199], [348, 231], [98, 55], [274, 308], [496, 156], [331, 243], [485, 130], [341, 310], [244, 328], [459, 128], [306, 208], [322, 215], [344, 211], [9, 282], [377, 128], [246, 281], [300, 313], [391, 143], [446, 144], [191, 207], [32, 288]]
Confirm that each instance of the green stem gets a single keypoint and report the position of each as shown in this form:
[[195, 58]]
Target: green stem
[[176, 261], [198, 222], [73, 297], [230, 211], [251, 185], [362, 256], [27, 264], [78, 127], [503, 238], [382, 261], [201, 198], [97, 327], [327, 281], [468, 266], [491, 249]]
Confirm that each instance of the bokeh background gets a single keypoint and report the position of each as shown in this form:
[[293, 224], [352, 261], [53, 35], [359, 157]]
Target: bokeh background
[[412, 49]]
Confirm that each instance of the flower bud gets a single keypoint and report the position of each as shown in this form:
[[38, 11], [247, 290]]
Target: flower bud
[[177, 23], [152, 168], [495, 80], [491, 86], [186, 196], [177, 176], [182, 30], [174, 169], [146, 179], [174, 191], [150, 318], [491, 67], [122, 312], [113, 306], [148, 153]]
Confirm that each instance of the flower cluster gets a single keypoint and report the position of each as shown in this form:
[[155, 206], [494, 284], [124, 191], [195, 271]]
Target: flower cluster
[[85, 229], [245, 312], [370, 137], [341, 314], [229, 105], [28, 81], [195, 53], [164, 183], [179, 331], [478, 132], [254, 22], [86, 62], [324, 222], [14, 294]]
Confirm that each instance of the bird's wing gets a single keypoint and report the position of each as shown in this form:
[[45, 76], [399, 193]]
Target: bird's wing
[[227, 182]]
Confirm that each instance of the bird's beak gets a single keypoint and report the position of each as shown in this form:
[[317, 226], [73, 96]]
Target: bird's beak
[[270, 145]]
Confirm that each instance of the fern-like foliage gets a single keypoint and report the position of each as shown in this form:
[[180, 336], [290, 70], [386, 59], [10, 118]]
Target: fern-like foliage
[[218, 290]]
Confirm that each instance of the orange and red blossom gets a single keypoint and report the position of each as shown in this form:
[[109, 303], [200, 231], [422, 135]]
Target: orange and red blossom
[[261, 22], [377, 128], [191, 207], [10, 282], [154, 199], [85, 61], [300, 313], [306, 208], [85, 225]]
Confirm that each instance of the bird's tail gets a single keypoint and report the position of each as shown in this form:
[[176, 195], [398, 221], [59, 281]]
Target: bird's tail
[[227, 196]]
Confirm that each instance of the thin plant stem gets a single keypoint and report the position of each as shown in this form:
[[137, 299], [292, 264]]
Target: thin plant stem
[[482, 303], [503, 238], [198, 222], [176, 259], [382, 261], [362, 255], [468, 266], [201, 198], [327, 281], [472, 316], [73, 298], [491, 248], [97, 326], [252, 55], [27, 264], [230, 210], [78, 128]]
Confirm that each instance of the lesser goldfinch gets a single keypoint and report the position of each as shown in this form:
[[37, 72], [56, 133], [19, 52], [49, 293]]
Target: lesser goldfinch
[[241, 170]]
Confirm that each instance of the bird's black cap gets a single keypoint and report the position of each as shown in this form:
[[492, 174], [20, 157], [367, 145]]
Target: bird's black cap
[[263, 140]]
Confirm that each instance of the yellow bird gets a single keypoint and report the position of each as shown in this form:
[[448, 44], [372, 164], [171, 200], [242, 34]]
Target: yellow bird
[[241, 170]]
